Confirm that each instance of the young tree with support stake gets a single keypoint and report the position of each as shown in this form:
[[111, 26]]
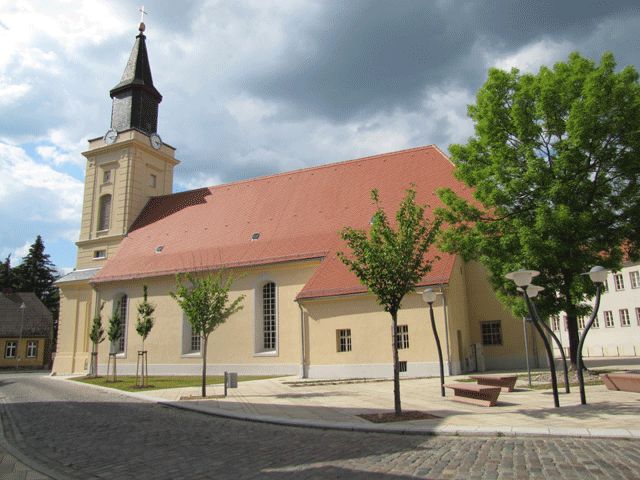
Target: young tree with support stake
[[144, 324], [390, 262], [114, 333], [205, 302], [555, 167], [96, 335]]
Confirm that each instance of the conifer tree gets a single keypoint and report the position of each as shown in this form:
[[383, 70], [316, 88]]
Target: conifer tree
[[114, 333], [7, 281], [144, 323], [96, 335], [37, 274]]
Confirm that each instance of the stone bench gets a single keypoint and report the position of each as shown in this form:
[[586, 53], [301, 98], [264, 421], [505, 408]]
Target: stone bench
[[485, 396], [627, 382], [506, 382]]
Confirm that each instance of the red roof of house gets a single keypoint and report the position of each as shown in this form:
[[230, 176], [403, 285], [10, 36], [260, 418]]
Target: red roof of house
[[298, 215]]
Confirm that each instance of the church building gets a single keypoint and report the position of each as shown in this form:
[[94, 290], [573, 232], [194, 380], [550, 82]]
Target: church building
[[304, 312]]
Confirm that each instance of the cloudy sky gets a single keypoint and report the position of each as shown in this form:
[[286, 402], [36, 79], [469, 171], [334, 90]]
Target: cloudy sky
[[257, 87]]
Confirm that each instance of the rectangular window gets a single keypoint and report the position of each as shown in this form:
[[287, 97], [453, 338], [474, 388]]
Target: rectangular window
[[555, 322], [566, 323], [605, 286], [624, 317], [269, 331], [99, 254], [402, 337], [152, 180], [608, 318], [402, 366], [581, 323], [196, 342], [491, 333], [638, 315], [618, 281], [635, 279], [596, 323], [10, 348], [343, 340], [106, 176], [32, 349]]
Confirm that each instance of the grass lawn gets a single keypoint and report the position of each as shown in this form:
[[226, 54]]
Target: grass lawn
[[127, 382]]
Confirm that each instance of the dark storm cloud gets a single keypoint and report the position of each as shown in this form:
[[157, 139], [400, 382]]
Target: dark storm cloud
[[367, 56]]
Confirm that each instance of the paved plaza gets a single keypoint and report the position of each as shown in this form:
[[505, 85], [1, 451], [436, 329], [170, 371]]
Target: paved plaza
[[65, 430]]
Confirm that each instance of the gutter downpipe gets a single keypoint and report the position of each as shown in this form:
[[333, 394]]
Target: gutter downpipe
[[303, 369], [446, 327]]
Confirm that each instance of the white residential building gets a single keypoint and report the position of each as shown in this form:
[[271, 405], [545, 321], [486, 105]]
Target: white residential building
[[616, 331]]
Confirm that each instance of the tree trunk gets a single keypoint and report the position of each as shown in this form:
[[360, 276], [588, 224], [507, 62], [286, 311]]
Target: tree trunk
[[204, 366], [396, 364], [572, 324]]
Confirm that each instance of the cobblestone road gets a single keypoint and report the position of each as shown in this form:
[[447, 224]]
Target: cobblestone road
[[77, 432]]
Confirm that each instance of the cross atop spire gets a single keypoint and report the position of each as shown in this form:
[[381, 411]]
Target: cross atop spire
[[143, 12]]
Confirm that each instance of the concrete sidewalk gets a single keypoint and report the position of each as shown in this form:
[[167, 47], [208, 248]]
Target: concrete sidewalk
[[290, 401]]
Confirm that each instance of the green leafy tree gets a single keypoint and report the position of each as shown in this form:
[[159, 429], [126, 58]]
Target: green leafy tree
[[114, 333], [7, 281], [555, 166], [391, 262], [96, 335], [37, 274], [205, 302], [144, 323]]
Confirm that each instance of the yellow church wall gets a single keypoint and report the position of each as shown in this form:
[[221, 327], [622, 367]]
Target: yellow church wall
[[76, 312], [483, 305], [232, 346], [370, 325], [459, 333]]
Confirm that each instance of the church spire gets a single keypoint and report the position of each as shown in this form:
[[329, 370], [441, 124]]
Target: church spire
[[135, 99]]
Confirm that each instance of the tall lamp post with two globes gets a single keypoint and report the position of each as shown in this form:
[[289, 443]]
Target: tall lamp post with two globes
[[429, 296], [598, 275], [533, 291], [522, 279]]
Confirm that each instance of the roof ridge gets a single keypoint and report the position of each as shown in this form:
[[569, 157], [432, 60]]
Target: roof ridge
[[307, 169], [328, 165]]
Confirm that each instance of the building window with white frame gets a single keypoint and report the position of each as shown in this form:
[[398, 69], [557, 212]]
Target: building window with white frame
[[269, 316], [596, 323], [624, 317], [32, 349], [343, 340], [122, 306], [605, 286], [402, 337], [491, 332], [581, 323], [10, 349], [618, 281], [555, 322], [608, 318], [196, 342], [634, 277]]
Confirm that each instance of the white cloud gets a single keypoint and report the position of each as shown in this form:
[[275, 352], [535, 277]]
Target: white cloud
[[531, 57], [11, 92], [32, 191]]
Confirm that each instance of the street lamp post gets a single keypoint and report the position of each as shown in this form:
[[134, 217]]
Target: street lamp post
[[22, 307], [522, 279], [533, 291], [429, 296], [598, 275]]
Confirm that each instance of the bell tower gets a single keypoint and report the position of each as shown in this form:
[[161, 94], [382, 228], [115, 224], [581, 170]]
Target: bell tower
[[127, 166]]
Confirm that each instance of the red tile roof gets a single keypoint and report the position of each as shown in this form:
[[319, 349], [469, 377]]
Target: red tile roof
[[297, 214]]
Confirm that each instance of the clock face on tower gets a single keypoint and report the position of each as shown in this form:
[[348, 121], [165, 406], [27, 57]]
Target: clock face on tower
[[110, 136], [156, 141]]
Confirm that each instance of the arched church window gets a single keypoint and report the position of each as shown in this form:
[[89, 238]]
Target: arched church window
[[104, 213], [122, 305], [269, 316]]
